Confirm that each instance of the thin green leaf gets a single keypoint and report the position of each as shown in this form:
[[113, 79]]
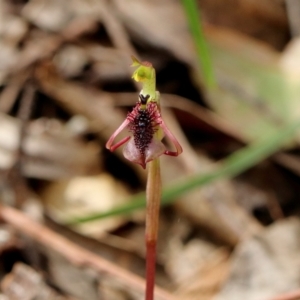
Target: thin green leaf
[[204, 58], [233, 165]]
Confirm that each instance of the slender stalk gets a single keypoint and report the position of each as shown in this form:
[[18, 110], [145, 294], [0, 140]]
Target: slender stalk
[[153, 195], [148, 129]]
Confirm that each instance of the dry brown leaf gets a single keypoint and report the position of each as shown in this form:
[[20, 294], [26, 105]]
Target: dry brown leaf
[[183, 260], [108, 63], [71, 60], [24, 283], [51, 150], [265, 265], [168, 28], [207, 279], [84, 196], [8, 56], [52, 15]]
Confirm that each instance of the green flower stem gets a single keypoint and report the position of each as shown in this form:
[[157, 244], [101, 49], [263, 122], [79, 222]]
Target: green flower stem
[[153, 195], [149, 86]]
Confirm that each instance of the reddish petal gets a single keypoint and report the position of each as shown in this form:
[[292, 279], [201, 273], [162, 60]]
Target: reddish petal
[[109, 145], [155, 149], [172, 138], [132, 153]]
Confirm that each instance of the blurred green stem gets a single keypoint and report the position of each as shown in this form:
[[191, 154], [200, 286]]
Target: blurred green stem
[[194, 21]]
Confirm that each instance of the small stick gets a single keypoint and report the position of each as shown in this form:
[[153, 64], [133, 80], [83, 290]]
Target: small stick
[[15, 173], [74, 253]]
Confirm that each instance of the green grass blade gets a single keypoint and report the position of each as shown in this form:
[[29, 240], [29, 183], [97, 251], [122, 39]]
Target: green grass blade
[[231, 166], [203, 54]]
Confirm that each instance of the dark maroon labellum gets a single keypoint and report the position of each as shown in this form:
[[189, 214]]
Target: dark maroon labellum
[[142, 129]]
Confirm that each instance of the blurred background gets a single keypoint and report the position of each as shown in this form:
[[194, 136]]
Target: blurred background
[[229, 76]]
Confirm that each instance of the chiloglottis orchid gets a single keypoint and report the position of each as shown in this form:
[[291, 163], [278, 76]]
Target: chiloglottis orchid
[[145, 123], [147, 129]]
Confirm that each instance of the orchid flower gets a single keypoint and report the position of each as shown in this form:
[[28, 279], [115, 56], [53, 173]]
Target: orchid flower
[[143, 145], [145, 123]]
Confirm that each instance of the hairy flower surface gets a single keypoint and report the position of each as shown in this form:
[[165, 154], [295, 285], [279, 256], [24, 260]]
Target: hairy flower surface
[[147, 129]]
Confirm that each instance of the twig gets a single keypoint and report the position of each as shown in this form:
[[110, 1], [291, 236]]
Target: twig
[[15, 173], [117, 33], [26, 107], [44, 48], [74, 253], [9, 95], [116, 30], [295, 295]]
